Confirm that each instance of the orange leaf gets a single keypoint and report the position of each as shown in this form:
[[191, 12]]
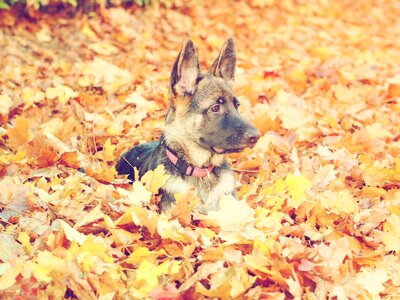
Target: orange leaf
[[394, 90], [106, 174], [20, 134], [70, 159], [40, 148], [185, 204]]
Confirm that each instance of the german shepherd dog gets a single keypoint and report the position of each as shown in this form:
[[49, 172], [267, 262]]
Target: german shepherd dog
[[201, 125]]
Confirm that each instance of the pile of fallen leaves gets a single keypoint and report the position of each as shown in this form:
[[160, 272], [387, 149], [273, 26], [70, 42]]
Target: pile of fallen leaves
[[318, 214]]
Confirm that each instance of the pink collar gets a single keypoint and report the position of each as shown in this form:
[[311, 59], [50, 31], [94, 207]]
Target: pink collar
[[186, 169]]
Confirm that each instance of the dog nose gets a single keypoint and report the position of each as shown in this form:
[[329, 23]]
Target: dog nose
[[252, 136]]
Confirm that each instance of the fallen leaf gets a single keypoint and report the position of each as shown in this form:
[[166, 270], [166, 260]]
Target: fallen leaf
[[169, 292], [297, 186], [154, 180], [372, 281], [10, 248], [20, 134], [13, 197], [62, 92], [70, 233], [5, 104]]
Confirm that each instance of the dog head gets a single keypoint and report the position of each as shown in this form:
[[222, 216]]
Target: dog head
[[204, 109]]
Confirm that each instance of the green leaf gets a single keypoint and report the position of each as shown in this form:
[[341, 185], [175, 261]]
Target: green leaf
[[4, 5], [139, 2], [72, 2]]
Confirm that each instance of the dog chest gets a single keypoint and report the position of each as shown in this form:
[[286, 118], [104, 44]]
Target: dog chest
[[210, 189]]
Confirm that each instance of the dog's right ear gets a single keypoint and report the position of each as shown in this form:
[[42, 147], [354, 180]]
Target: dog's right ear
[[186, 70], [224, 66]]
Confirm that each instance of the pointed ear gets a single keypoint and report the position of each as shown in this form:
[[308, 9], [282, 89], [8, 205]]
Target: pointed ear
[[224, 65], [186, 70]]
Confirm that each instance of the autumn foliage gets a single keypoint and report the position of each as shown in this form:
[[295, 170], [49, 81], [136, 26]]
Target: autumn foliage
[[318, 214]]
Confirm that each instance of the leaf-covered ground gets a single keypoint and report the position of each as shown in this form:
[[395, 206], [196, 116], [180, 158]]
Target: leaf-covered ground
[[319, 209]]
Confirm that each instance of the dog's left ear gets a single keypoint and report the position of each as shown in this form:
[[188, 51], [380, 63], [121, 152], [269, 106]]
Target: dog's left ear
[[224, 65]]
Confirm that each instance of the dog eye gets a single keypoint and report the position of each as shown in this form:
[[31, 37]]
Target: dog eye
[[237, 104], [215, 108]]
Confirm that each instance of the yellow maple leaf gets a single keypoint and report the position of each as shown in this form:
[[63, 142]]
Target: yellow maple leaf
[[141, 253], [147, 272], [30, 96], [322, 52], [263, 247], [45, 263], [62, 92], [8, 274], [88, 31], [13, 158], [276, 188], [155, 179], [391, 233], [275, 194], [89, 253], [70, 233], [298, 75], [150, 272], [297, 186], [24, 239], [107, 154]]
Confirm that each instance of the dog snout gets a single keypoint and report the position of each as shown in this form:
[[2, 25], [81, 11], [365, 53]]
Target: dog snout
[[252, 136]]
